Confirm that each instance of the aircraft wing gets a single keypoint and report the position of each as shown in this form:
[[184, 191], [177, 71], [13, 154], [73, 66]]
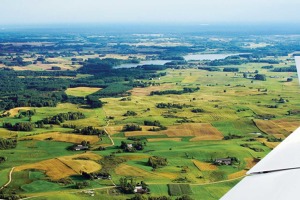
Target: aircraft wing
[[276, 177]]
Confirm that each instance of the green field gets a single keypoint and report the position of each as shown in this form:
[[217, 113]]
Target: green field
[[230, 104]]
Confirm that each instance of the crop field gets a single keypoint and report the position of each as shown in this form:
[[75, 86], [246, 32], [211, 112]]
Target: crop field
[[179, 189], [146, 91], [277, 127], [54, 168], [202, 166], [127, 170], [197, 116], [238, 174], [271, 145], [15, 111], [141, 133], [65, 137], [199, 130], [81, 91], [80, 164], [163, 139], [113, 129], [62, 167]]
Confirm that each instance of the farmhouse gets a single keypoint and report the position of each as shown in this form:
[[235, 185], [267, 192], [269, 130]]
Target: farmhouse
[[103, 176], [223, 161], [139, 189], [80, 147]]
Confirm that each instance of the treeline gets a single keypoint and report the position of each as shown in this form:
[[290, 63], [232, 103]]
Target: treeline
[[89, 130], [60, 118], [16, 91], [46, 89], [7, 143], [14, 61], [113, 90], [231, 69], [211, 69], [131, 127], [135, 146], [157, 124], [185, 90], [285, 69], [156, 161], [223, 62], [20, 126], [97, 65], [171, 105]]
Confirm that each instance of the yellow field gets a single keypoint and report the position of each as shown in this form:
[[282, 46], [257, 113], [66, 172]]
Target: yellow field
[[163, 139], [206, 137], [141, 133], [134, 157], [279, 136], [80, 165], [53, 168], [65, 137], [237, 174], [271, 145], [190, 79], [290, 126], [15, 111], [113, 129], [250, 162], [81, 91], [201, 131], [282, 126], [127, 170], [146, 91], [62, 167], [202, 166]]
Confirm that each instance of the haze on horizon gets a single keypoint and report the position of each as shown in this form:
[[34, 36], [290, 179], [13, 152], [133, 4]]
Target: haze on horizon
[[23, 12]]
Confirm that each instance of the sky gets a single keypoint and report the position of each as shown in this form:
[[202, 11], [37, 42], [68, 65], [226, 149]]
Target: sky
[[148, 11]]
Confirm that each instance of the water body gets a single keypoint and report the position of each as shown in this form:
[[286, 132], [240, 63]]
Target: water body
[[145, 62], [191, 57]]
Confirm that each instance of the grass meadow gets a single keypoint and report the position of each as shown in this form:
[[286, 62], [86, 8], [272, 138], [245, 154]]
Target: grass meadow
[[232, 105]]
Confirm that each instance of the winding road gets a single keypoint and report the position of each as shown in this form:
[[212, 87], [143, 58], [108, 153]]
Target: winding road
[[9, 178]]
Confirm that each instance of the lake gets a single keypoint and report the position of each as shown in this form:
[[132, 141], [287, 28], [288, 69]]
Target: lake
[[189, 57], [145, 62]]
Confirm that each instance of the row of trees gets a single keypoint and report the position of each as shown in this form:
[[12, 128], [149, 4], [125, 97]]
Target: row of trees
[[89, 130], [20, 126], [171, 105], [8, 143], [61, 117], [185, 90]]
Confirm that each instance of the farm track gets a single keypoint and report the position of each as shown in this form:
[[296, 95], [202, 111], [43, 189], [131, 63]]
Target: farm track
[[109, 136], [9, 178], [73, 192], [110, 187], [202, 184]]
